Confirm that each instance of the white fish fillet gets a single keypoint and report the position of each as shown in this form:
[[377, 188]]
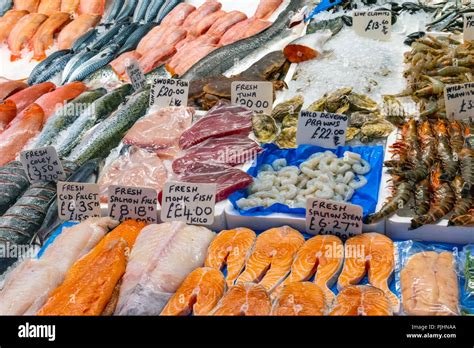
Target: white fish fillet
[[27, 288], [161, 259]]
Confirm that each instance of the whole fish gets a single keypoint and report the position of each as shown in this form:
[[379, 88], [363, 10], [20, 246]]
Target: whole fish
[[106, 38], [5, 5], [124, 33], [14, 183], [223, 58], [140, 11], [96, 112], [113, 11], [152, 10], [127, 10], [110, 132], [102, 76], [74, 63], [135, 37], [85, 40], [54, 69], [22, 220], [66, 116], [167, 7], [98, 61], [45, 64]]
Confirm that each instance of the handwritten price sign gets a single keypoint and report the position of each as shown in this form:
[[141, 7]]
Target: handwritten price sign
[[135, 74], [375, 25], [469, 27], [169, 92], [133, 203], [42, 164], [257, 96], [459, 100], [321, 129], [78, 201]]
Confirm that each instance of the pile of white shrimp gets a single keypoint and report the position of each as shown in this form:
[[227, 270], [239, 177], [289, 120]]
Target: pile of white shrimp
[[323, 175]]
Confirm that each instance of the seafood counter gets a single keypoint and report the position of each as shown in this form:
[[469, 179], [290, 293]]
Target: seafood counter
[[80, 90]]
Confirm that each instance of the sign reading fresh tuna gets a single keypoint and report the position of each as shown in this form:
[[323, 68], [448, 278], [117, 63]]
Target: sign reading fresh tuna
[[322, 129], [257, 96], [78, 201], [169, 92], [328, 217], [459, 100], [375, 25], [469, 27], [190, 203], [42, 164], [133, 203]]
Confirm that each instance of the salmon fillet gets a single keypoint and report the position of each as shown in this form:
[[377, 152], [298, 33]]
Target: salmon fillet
[[272, 257], [198, 294], [374, 254], [300, 299], [91, 281], [202, 11], [178, 15], [362, 300], [429, 285], [321, 257], [231, 249], [49, 7], [44, 37], [151, 40], [23, 32], [244, 299], [8, 22], [203, 26], [225, 23], [76, 29]]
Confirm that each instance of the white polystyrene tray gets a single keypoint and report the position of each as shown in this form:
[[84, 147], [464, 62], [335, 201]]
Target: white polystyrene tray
[[397, 227]]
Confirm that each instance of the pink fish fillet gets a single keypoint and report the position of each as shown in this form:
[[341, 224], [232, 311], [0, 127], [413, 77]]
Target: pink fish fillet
[[27, 5], [96, 7], [119, 64], [187, 50], [23, 32], [225, 23], [204, 10], [203, 26], [52, 101], [178, 15], [201, 52], [49, 7], [236, 32], [69, 6], [151, 39], [8, 22], [76, 29], [44, 37], [266, 8]]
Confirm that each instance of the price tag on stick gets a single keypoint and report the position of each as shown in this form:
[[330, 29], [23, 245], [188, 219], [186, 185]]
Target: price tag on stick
[[135, 74], [459, 100], [190, 203], [375, 25], [469, 27], [257, 96], [133, 203], [78, 201], [169, 92], [328, 217], [321, 129], [42, 164]]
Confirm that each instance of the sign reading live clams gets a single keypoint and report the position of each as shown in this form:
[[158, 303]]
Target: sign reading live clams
[[469, 26], [169, 92], [190, 203], [375, 25], [328, 217], [135, 74], [42, 164], [255, 95], [78, 201], [321, 129], [133, 203], [459, 100]]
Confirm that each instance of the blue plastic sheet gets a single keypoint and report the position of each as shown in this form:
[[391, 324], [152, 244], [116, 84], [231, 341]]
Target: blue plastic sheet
[[51, 239], [366, 197]]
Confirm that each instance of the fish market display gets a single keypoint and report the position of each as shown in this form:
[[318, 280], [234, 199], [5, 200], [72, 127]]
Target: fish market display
[[271, 258], [313, 259], [92, 280], [300, 299], [198, 294], [27, 287], [376, 258], [244, 299], [429, 284], [161, 260], [230, 249], [361, 300], [323, 175]]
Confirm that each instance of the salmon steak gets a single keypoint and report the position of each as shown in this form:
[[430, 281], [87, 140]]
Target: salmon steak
[[300, 299], [8, 22], [374, 254], [321, 257], [56, 99], [272, 257], [23, 32], [429, 285], [244, 299], [198, 294], [231, 249], [27, 5], [362, 300], [11, 87], [44, 37], [91, 281], [76, 29], [49, 7], [29, 95]]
